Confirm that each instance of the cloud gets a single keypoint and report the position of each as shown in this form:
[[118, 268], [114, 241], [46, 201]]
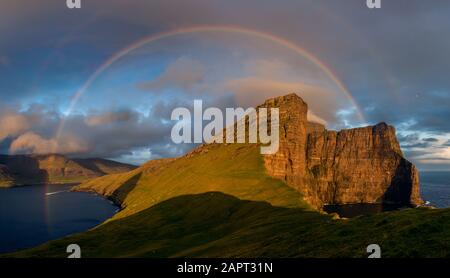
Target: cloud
[[416, 145], [415, 141], [447, 144], [184, 73], [430, 139], [315, 119], [12, 124], [429, 153], [443, 156], [115, 134], [35, 144], [252, 91], [110, 118], [109, 134]]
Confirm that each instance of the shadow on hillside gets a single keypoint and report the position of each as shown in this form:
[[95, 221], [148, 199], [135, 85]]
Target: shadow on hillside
[[189, 221], [24, 169], [90, 164], [120, 193]]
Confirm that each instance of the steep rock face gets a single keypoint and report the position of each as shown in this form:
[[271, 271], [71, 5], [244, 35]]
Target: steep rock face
[[289, 163], [361, 165]]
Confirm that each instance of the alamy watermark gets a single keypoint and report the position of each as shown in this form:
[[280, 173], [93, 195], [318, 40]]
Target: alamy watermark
[[374, 4], [76, 4], [74, 250], [73, 4], [235, 119], [374, 250]]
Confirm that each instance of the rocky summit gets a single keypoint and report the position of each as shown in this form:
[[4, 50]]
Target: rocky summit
[[361, 165]]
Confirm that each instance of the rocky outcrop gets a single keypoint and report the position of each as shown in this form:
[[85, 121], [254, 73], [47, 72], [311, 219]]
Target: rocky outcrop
[[289, 163], [361, 165]]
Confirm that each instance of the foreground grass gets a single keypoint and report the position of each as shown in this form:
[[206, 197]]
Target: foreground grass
[[218, 225]]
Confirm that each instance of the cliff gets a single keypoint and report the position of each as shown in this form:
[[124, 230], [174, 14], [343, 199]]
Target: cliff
[[361, 165], [36, 169]]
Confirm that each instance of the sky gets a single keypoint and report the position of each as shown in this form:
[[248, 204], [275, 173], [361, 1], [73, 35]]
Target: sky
[[132, 62]]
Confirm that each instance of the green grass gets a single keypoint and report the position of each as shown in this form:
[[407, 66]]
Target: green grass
[[236, 169], [218, 225]]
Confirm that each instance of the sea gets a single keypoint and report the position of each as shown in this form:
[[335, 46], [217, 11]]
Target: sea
[[435, 187], [31, 215]]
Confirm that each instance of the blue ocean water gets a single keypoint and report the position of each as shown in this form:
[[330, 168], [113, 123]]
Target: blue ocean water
[[32, 215], [435, 187]]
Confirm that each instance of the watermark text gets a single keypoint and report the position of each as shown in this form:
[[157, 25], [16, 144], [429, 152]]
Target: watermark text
[[236, 120]]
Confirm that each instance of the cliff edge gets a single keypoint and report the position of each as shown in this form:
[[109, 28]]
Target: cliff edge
[[361, 165]]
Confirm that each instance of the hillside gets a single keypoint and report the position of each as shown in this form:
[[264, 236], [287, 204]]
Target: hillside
[[235, 169], [218, 225], [36, 169]]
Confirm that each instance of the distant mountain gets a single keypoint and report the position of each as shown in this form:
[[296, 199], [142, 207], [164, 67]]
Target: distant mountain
[[36, 169]]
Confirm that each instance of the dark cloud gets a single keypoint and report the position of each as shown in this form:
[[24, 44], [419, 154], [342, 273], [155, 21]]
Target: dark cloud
[[110, 118], [430, 139], [413, 141], [109, 134], [415, 145], [408, 138]]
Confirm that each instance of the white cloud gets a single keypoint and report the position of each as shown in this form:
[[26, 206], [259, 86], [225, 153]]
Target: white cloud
[[252, 91], [33, 143], [12, 124]]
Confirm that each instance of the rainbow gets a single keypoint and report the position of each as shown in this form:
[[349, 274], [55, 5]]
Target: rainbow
[[198, 29]]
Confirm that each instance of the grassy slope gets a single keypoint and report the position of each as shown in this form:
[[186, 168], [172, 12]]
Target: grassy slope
[[236, 170], [219, 225]]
